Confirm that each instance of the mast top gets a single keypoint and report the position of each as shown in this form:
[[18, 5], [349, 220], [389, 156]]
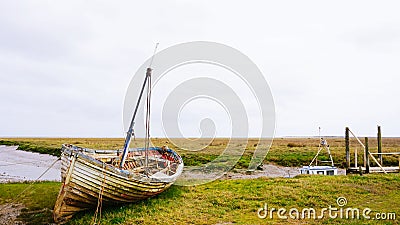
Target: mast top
[[148, 71]]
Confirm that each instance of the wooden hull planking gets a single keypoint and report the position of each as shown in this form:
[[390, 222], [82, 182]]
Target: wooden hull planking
[[86, 178]]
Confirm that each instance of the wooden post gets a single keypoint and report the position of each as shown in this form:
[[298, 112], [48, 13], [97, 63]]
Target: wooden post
[[366, 155], [347, 142], [355, 158], [380, 145], [365, 158]]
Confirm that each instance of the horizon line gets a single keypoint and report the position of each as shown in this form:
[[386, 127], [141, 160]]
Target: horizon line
[[291, 136]]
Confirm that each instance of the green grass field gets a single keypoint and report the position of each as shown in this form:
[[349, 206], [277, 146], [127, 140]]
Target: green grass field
[[228, 201], [225, 201]]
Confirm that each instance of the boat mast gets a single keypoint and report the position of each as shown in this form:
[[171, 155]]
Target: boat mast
[[130, 130], [147, 80]]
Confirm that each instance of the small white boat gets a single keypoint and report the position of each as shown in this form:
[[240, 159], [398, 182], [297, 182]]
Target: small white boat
[[319, 170]]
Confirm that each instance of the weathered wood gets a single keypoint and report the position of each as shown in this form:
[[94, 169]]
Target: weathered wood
[[374, 169], [86, 175], [385, 153], [380, 144], [61, 209], [377, 163], [347, 142], [359, 141], [367, 154], [355, 158]]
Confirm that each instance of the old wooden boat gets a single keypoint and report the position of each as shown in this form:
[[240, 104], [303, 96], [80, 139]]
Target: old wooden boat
[[89, 174], [91, 178]]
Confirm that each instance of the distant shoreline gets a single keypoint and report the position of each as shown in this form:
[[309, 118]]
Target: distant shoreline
[[44, 137]]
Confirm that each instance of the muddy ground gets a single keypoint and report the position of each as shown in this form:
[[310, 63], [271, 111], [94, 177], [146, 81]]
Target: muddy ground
[[9, 214]]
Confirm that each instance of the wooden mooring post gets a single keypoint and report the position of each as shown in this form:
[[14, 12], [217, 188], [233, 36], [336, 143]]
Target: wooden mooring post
[[377, 166], [366, 154], [347, 141], [355, 158], [380, 145]]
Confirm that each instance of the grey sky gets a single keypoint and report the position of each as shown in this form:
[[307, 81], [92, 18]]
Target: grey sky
[[65, 66]]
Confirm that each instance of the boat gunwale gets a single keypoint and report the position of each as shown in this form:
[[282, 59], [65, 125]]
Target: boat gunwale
[[112, 170]]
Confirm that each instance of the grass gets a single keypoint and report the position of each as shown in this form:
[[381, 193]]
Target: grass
[[284, 151], [300, 151], [228, 201], [37, 198], [224, 201], [36, 146]]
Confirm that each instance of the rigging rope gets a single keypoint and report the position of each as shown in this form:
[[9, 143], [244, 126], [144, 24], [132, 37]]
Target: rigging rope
[[97, 213], [147, 136]]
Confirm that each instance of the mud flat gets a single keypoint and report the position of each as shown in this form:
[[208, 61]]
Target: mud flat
[[18, 166]]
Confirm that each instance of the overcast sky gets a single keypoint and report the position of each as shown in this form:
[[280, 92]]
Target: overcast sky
[[65, 65]]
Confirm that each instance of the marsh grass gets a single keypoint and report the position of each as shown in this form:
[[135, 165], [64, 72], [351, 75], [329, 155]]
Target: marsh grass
[[223, 201], [37, 198], [237, 201], [227, 201], [294, 152]]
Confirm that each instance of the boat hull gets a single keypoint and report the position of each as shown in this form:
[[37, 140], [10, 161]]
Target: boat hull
[[88, 182], [319, 170]]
